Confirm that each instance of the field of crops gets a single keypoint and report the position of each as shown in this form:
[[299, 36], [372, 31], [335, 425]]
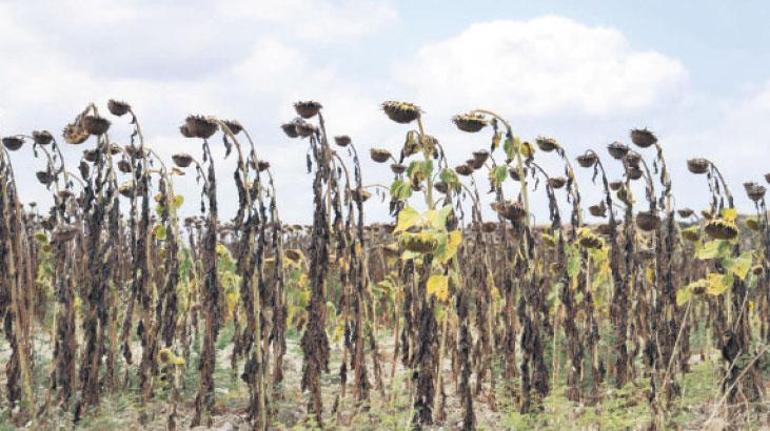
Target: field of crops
[[120, 308]]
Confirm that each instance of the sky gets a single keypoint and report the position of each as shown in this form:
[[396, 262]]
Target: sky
[[584, 73]]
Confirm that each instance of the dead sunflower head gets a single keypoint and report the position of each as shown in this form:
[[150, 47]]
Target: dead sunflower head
[[290, 129], [546, 144], [643, 138], [74, 134], [263, 165], [698, 165], [590, 240], [200, 126], [95, 125], [685, 212], [90, 155], [634, 173], [418, 242], [617, 150], [401, 112], [481, 156], [616, 185], [134, 151], [124, 166], [304, 129], [756, 192], [588, 159], [513, 211], [632, 159], [470, 122], [721, 229], [647, 221], [557, 182], [44, 177], [691, 234], [474, 163], [182, 160], [360, 195], [598, 210], [464, 170], [379, 155], [118, 108], [342, 140], [42, 137], [441, 186], [397, 168], [234, 126], [13, 143], [307, 109]]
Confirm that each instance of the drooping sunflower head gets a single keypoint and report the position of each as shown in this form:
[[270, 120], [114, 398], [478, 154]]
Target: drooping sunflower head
[[95, 125], [13, 143], [588, 159], [643, 138], [118, 108], [470, 122], [546, 144], [401, 112], [379, 155], [557, 182], [200, 127], [755, 192], [307, 109], [617, 150], [647, 221], [42, 137], [698, 165], [590, 240], [719, 228]]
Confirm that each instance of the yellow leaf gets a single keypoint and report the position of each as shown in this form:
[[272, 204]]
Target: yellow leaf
[[407, 218], [716, 284], [527, 150], [339, 331], [682, 296], [438, 286], [740, 265], [453, 244], [729, 214]]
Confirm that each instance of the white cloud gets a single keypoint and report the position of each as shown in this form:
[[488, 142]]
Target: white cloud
[[170, 60], [584, 85], [736, 141], [541, 67], [316, 20]]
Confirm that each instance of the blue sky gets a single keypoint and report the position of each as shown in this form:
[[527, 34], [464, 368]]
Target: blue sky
[[696, 73]]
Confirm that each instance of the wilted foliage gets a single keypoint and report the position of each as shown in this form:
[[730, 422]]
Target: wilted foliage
[[463, 304]]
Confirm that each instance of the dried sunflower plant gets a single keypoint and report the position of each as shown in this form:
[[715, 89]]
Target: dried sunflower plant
[[458, 306]]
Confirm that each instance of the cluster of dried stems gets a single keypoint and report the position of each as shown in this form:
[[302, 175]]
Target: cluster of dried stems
[[505, 304]]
